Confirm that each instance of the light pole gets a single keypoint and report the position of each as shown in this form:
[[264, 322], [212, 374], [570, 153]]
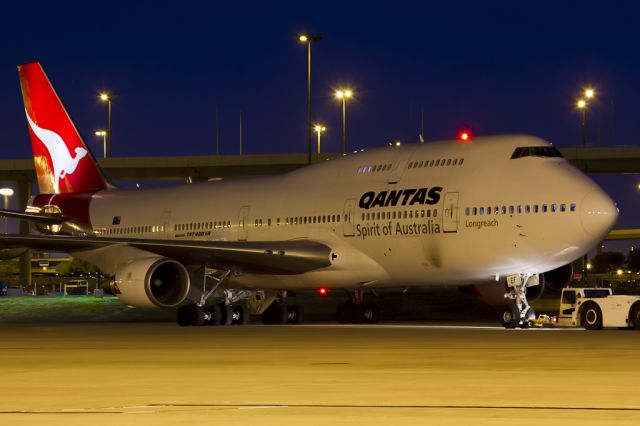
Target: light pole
[[308, 38], [103, 133], [343, 95], [319, 128], [105, 97], [582, 105], [6, 193]]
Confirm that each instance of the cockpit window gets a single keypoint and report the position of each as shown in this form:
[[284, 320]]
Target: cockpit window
[[536, 151]]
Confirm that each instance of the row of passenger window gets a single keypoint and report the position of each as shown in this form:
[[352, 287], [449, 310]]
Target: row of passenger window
[[374, 169], [299, 220], [200, 226], [520, 209], [145, 229], [304, 220], [405, 214], [436, 163]]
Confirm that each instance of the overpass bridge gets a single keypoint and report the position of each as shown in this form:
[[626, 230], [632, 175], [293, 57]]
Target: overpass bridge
[[589, 160]]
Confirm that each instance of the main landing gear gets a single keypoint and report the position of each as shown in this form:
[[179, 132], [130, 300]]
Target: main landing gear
[[279, 312], [215, 314], [353, 311], [227, 312], [518, 313]]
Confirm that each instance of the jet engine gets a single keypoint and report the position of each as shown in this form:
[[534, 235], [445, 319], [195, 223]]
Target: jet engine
[[151, 282]]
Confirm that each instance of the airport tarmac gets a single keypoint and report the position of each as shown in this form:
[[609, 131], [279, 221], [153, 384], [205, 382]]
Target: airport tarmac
[[160, 374]]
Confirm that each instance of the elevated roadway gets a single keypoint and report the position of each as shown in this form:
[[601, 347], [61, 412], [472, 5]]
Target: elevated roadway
[[589, 160]]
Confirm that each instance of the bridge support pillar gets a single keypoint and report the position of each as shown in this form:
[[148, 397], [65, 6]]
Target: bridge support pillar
[[24, 192]]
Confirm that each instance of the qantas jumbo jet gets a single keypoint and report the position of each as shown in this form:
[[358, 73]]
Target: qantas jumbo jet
[[503, 214]]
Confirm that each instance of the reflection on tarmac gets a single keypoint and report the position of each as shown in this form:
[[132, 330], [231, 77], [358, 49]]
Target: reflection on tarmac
[[317, 374]]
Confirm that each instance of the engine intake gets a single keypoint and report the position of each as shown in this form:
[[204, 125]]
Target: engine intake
[[152, 282]]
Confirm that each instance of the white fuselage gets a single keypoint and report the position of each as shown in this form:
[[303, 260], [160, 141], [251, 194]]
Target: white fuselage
[[435, 213]]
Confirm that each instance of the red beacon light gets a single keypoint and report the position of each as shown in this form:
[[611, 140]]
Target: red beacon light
[[323, 291], [464, 136]]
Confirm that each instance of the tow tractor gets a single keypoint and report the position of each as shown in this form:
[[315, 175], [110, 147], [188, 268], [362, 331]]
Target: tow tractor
[[595, 308]]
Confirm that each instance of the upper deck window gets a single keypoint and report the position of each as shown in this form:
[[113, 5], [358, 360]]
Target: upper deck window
[[536, 151]]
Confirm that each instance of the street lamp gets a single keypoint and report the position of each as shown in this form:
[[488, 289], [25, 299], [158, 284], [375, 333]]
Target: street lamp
[[308, 38], [343, 95], [105, 97], [582, 105], [6, 193], [319, 128], [103, 133]]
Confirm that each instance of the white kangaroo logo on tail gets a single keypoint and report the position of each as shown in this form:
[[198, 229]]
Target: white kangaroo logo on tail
[[63, 163]]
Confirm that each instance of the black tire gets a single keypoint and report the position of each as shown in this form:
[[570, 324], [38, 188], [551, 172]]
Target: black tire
[[215, 315], [240, 314], [197, 316], [184, 316], [591, 316], [281, 313], [294, 314], [343, 313], [371, 314], [634, 316], [357, 314], [276, 313], [510, 316], [226, 314], [350, 313], [529, 318]]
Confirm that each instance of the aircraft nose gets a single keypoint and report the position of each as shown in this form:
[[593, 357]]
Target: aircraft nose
[[598, 213]]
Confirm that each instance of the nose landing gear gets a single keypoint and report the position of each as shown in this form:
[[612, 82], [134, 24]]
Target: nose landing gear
[[518, 312]]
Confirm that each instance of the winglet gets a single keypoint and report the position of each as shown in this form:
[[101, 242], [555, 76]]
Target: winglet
[[62, 160]]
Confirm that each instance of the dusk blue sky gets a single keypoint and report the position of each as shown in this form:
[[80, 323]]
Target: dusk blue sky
[[494, 67]]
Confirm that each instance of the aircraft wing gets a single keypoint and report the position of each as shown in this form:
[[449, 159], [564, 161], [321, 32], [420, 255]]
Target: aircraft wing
[[263, 257], [47, 219]]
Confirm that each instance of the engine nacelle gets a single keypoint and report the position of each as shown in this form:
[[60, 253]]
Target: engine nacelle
[[152, 282], [558, 278]]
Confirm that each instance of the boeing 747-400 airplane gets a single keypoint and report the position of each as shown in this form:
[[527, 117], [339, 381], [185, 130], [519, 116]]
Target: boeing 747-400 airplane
[[503, 213]]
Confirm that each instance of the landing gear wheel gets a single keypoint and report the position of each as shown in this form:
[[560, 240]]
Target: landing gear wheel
[[634, 316], [591, 316], [342, 314], [511, 316], [294, 314], [226, 314], [350, 313], [215, 316], [240, 314], [529, 319], [371, 314], [277, 313], [184, 316], [197, 316]]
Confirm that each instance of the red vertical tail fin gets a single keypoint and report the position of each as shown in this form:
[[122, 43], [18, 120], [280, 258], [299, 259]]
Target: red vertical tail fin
[[62, 160]]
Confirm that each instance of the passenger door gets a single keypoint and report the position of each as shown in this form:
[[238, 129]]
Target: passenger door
[[243, 223], [348, 218], [450, 212]]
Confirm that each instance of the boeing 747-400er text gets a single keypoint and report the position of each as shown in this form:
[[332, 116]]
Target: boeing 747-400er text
[[504, 213]]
